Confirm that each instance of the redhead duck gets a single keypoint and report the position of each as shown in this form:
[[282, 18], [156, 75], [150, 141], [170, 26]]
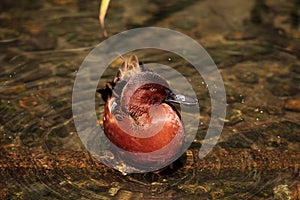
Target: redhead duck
[[139, 116]]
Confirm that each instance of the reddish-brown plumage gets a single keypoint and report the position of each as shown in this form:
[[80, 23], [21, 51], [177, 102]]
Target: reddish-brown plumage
[[163, 125]]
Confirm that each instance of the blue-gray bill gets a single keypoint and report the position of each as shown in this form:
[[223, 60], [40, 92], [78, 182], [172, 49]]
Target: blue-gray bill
[[180, 99]]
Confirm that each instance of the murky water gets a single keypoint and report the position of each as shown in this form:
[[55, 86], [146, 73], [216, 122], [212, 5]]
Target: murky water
[[256, 45]]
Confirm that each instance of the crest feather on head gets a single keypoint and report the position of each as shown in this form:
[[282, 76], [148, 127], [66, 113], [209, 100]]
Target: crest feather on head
[[127, 70]]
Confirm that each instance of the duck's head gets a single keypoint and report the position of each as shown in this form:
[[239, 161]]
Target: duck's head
[[148, 89], [136, 89]]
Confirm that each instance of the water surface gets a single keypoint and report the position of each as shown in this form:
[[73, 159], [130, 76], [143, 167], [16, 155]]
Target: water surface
[[255, 44]]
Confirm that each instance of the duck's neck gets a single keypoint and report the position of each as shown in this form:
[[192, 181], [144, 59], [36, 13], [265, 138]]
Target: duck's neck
[[140, 113]]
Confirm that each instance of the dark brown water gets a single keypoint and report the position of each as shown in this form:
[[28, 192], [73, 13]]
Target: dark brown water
[[255, 44]]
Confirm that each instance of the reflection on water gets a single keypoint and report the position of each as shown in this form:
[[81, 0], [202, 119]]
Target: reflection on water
[[256, 45]]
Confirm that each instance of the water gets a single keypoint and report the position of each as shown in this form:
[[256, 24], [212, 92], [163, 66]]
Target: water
[[255, 44]]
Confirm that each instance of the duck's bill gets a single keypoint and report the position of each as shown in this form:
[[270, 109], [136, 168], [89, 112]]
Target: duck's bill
[[181, 99]]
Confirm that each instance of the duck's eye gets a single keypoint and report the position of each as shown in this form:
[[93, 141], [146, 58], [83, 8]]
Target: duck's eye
[[152, 89]]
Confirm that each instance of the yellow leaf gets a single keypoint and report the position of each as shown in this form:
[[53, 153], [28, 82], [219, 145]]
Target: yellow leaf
[[103, 10]]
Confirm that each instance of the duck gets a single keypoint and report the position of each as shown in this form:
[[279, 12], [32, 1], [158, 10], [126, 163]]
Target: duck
[[139, 115]]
